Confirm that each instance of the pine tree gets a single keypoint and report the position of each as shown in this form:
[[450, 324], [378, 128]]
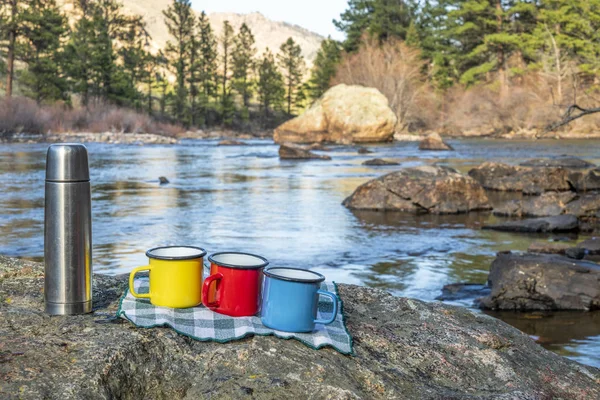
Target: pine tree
[[208, 62], [487, 38], [380, 18], [227, 105], [12, 11], [135, 58], [243, 63], [270, 83], [324, 67], [292, 63], [180, 24], [354, 22], [432, 28], [43, 28], [78, 54], [569, 30], [193, 73], [412, 35]]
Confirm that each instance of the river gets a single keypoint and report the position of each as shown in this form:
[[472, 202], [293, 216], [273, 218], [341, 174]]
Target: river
[[244, 198]]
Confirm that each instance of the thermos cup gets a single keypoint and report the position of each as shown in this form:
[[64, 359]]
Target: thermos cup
[[67, 231]]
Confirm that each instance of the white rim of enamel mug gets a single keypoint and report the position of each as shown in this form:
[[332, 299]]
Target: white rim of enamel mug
[[234, 259], [272, 273], [188, 253]]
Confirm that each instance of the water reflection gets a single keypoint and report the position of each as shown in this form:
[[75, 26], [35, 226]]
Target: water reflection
[[246, 199]]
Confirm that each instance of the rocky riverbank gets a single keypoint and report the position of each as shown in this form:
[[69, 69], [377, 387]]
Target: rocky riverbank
[[404, 349], [130, 138]]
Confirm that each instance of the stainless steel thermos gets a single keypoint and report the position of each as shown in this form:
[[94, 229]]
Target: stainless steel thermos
[[68, 231]]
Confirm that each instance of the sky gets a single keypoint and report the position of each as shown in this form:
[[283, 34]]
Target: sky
[[314, 15]]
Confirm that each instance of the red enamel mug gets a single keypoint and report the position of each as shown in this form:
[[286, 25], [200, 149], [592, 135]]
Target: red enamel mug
[[234, 285]]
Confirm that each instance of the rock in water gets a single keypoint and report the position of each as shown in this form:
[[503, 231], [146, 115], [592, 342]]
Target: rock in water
[[564, 161], [434, 142], [231, 143], [527, 282], [561, 223], [584, 181], [379, 161], [403, 349], [529, 180], [591, 246], [163, 181], [586, 205], [288, 152], [364, 150], [548, 248], [426, 189], [345, 114], [548, 204]]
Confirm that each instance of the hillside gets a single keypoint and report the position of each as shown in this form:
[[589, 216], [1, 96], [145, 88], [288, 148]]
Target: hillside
[[268, 33]]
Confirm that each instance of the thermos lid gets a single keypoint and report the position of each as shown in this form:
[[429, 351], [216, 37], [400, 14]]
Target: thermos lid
[[67, 162]]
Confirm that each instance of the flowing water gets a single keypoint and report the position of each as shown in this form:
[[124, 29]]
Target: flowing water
[[244, 198]]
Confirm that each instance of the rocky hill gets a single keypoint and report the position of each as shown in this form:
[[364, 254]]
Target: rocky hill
[[268, 33]]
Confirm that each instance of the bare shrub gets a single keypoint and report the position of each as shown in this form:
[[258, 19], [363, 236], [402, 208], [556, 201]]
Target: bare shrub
[[24, 115], [393, 68]]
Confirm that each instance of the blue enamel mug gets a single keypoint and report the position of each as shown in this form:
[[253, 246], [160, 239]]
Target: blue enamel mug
[[290, 299]]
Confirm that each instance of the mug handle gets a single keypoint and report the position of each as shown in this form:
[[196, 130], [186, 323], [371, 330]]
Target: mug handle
[[205, 288], [335, 307], [132, 277]]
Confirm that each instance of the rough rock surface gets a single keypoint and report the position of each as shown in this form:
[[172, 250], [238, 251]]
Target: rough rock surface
[[591, 246], [434, 142], [561, 223], [542, 282], [289, 152], [546, 205], [345, 114], [539, 175], [379, 161], [529, 180], [586, 205], [404, 349], [426, 189], [584, 181], [564, 161], [548, 248]]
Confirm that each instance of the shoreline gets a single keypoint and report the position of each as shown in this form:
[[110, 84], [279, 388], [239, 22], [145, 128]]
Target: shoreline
[[155, 138]]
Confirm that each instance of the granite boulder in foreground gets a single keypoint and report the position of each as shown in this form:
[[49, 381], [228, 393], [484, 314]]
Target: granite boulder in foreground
[[547, 282], [425, 189], [404, 349]]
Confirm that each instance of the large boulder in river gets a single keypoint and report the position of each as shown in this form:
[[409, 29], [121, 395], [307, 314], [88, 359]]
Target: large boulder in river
[[425, 189], [526, 282], [344, 114], [403, 348], [434, 142]]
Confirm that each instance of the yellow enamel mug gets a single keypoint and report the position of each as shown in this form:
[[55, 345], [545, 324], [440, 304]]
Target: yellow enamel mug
[[175, 276]]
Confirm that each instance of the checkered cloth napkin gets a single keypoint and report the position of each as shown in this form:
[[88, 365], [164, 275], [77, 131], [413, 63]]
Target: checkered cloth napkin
[[202, 324]]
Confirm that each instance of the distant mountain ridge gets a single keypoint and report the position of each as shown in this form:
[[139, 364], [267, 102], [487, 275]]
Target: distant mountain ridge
[[267, 33]]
